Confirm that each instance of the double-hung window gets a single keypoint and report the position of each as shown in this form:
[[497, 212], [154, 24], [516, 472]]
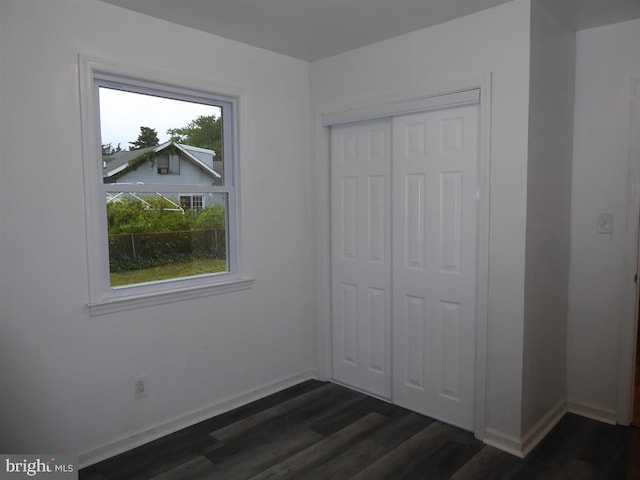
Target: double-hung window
[[160, 180]]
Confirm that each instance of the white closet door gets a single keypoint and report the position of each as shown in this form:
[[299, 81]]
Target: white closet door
[[434, 262], [361, 255]]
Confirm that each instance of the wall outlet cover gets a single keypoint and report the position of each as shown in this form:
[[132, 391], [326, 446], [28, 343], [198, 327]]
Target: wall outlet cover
[[605, 223]]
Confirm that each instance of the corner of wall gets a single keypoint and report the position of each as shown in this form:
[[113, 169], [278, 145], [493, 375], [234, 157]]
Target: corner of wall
[[547, 254], [521, 446]]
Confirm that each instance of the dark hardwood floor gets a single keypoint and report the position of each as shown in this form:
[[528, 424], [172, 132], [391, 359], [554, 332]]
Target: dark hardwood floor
[[636, 387], [320, 430]]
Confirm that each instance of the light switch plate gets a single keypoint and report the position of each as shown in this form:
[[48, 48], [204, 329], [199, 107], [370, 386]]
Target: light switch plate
[[605, 223]]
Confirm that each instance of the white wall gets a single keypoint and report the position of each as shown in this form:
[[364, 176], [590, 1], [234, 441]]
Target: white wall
[[68, 376], [548, 214], [494, 41], [606, 59], [2, 277]]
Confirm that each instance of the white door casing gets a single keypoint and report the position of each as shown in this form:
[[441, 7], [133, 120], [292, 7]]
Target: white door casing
[[434, 213], [361, 255]]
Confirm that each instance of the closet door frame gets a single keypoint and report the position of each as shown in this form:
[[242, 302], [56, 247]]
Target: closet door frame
[[327, 115]]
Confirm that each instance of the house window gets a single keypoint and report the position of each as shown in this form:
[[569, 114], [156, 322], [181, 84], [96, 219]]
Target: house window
[[185, 202], [163, 166], [174, 164], [162, 210], [168, 165], [155, 232], [191, 202]]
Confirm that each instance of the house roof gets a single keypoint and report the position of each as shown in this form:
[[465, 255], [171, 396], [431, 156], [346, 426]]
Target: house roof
[[119, 162]]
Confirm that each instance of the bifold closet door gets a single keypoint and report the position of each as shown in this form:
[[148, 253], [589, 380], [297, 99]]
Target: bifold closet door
[[361, 255], [434, 262]]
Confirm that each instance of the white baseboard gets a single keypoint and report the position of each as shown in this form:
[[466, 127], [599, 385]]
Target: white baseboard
[[503, 441], [540, 430], [593, 412], [518, 446], [161, 429], [522, 446]]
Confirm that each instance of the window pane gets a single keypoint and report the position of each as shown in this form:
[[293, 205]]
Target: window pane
[[155, 237], [174, 164], [185, 201], [155, 140]]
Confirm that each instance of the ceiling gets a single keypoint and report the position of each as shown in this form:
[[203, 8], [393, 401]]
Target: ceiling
[[315, 29]]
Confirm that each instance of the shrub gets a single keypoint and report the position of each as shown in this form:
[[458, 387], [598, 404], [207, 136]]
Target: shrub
[[150, 231]]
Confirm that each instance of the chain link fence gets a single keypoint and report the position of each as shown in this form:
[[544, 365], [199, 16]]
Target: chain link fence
[[134, 251]]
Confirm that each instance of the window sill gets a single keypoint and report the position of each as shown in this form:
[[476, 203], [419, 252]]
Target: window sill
[[113, 305]]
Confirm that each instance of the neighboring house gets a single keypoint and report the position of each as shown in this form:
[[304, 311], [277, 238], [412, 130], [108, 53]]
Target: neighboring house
[[169, 163]]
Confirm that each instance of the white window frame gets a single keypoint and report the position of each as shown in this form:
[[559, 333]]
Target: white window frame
[[103, 298], [180, 201], [192, 198], [193, 202]]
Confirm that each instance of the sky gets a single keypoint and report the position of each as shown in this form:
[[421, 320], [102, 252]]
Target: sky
[[123, 113]]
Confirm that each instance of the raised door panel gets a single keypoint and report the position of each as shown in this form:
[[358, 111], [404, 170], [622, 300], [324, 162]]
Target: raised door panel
[[361, 255], [434, 238]]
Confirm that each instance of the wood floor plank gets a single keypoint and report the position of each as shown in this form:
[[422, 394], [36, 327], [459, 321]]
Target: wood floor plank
[[185, 444], [307, 459], [392, 433], [328, 396], [400, 459], [400, 429], [442, 463], [604, 445], [243, 463], [154, 457], [349, 463], [274, 429], [488, 464], [198, 468], [347, 414], [571, 445], [318, 431], [578, 469], [248, 463], [256, 406]]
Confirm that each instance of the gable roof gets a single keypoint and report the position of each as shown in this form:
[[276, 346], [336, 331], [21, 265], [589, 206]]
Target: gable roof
[[118, 163]]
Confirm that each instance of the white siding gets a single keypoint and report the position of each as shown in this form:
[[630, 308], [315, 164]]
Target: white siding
[[204, 157], [190, 174]]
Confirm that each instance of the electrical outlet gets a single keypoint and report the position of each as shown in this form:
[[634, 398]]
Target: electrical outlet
[[140, 387], [605, 223]]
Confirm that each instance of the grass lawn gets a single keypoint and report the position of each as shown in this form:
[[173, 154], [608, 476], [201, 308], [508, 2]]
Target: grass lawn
[[172, 270]]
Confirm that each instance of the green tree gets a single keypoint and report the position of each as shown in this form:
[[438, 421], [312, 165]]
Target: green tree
[[167, 233], [107, 149], [148, 138], [147, 213], [211, 216], [204, 132]]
